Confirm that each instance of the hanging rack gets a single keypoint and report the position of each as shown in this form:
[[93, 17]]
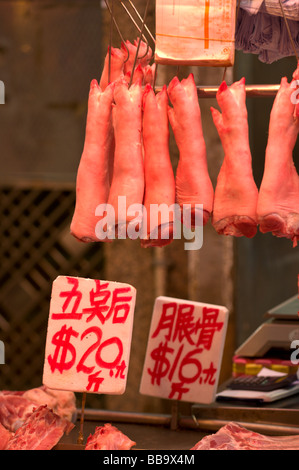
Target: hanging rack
[[256, 91], [140, 29], [139, 40], [139, 17], [144, 26]]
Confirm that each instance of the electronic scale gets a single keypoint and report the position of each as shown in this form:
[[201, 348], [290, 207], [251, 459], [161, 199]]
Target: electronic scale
[[273, 344]]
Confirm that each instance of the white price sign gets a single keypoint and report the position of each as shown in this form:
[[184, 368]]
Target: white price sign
[[89, 335], [184, 350]]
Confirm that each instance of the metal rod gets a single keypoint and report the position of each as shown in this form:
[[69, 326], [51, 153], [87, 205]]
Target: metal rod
[[155, 77], [81, 434], [188, 422], [126, 417], [237, 14], [111, 32], [256, 91], [137, 27], [238, 9], [289, 31], [139, 42], [140, 17], [174, 424], [110, 38], [215, 424]]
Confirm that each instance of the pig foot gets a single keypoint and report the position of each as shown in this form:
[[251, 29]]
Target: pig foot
[[282, 227], [162, 236], [194, 217], [237, 226]]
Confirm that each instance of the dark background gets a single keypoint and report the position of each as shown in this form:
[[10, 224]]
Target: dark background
[[49, 53]]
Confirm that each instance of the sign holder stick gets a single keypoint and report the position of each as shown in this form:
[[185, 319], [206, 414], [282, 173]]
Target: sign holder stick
[[174, 415], [81, 435]]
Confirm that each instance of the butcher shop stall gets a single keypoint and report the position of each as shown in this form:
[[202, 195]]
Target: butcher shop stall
[[149, 293]]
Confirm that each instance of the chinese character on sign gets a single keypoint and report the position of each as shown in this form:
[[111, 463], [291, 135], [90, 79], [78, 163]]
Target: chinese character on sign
[[89, 335], [184, 350]]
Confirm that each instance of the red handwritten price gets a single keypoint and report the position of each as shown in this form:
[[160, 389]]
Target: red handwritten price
[[164, 368], [89, 335], [184, 350], [64, 347]]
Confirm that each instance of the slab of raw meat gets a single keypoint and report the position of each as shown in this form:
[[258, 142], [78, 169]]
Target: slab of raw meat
[[234, 211], [117, 57], [17, 406], [14, 410], [128, 171], [236, 437], [193, 184], [61, 402], [5, 436], [159, 177], [93, 176], [108, 437], [41, 431], [278, 202]]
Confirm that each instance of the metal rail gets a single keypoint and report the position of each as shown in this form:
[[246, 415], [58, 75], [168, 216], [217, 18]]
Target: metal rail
[[256, 91], [204, 423]]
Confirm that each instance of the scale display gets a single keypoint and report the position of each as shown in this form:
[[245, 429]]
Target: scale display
[[287, 310]]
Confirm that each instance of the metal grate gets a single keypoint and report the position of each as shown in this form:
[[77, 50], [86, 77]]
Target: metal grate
[[36, 247]]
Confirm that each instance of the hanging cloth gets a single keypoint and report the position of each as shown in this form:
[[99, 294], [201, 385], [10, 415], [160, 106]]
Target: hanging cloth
[[251, 6], [264, 34], [272, 7], [291, 8]]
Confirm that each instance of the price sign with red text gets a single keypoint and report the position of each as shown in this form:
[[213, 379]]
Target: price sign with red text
[[184, 350], [89, 335]]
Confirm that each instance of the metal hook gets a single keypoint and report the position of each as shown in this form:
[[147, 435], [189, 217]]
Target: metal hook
[[139, 42], [155, 77], [289, 31], [140, 17], [147, 49], [137, 27], [224, 74], [237, 14], [110, 40], [119, 32]]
